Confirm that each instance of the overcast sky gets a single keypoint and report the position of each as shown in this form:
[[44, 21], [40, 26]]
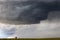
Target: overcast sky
[[46, 28]]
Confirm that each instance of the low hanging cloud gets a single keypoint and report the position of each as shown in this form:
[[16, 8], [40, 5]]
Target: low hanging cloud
[[25, 12], [18, 12]]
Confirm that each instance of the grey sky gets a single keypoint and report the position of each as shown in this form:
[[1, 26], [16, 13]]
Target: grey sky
[[46, 28]]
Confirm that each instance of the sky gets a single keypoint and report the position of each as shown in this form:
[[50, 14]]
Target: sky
[[44, 29]]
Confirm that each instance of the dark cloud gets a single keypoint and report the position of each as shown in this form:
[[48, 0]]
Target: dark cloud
[[27, 12]]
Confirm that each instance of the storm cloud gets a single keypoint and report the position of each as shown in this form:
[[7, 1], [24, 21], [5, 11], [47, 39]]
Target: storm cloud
[[26, 12], [31, 12]]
